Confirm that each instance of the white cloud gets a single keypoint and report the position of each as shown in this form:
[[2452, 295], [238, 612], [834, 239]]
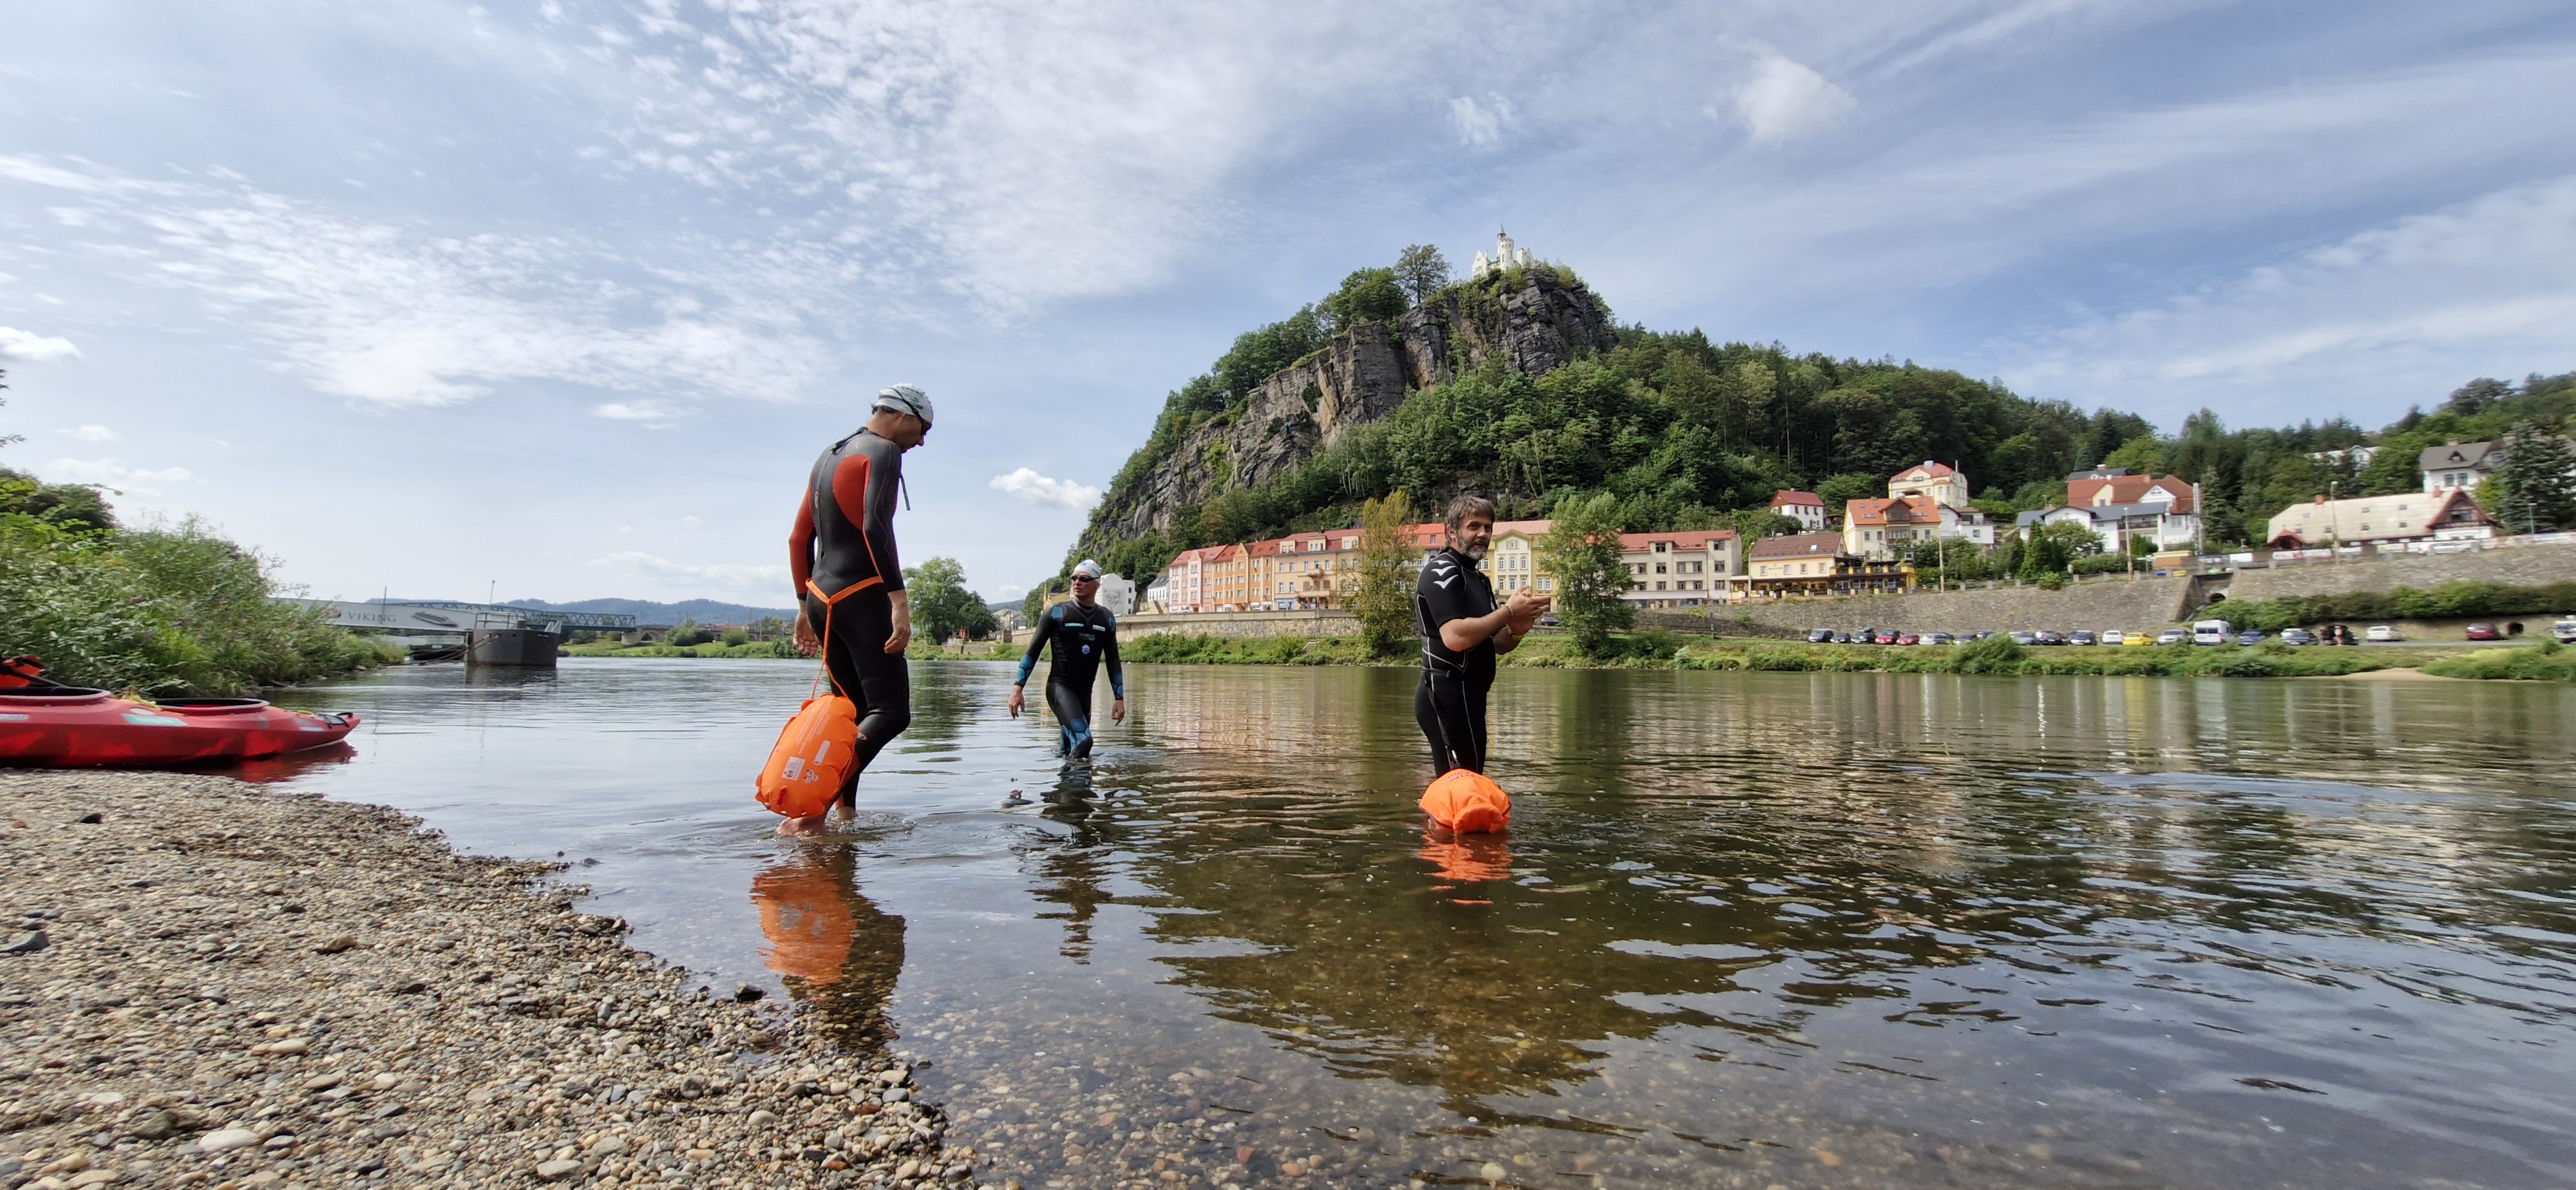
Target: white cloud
[[35, 348], [2401, 311], [114, 473], [1480, 124], [724, 576], [1038, 489], [1785, 100], [657, 415], [91, 433], [1008, 591]]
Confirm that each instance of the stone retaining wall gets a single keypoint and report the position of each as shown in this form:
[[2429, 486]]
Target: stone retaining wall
[[2117, 603], [2522, 566], [1309, 624]]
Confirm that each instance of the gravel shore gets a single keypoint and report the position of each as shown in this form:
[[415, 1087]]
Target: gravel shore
[[210, 985]]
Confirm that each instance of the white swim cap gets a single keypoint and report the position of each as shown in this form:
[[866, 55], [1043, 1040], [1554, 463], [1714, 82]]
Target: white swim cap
[[904, 398], [1086, 568]]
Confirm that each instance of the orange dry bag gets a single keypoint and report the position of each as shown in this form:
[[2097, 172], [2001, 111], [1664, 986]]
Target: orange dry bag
[[1464, 801], [812, 758]]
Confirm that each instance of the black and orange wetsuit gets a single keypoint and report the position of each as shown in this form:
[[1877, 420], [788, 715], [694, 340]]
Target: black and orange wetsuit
[[842, 555]]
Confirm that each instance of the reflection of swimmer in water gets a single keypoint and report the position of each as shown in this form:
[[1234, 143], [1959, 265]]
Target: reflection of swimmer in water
[[834, 949], [1084, 636], [1079, 879]]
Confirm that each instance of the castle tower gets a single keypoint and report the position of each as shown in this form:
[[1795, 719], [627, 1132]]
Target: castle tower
[[1506, 255]]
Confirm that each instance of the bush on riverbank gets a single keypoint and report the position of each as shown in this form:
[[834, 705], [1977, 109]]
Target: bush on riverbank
[[2448, 601], [2548, 663], [164, 612], [757, 648]]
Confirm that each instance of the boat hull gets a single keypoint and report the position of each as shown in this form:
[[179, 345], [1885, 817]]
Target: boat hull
[[64, 728]]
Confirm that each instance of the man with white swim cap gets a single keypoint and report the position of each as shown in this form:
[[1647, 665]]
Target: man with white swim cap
[[851, 604], [1085, 636]]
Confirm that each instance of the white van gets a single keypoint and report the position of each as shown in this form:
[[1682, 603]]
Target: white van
[[2212, 632]]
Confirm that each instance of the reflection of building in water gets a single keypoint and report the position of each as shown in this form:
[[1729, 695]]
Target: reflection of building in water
[[836, 952]]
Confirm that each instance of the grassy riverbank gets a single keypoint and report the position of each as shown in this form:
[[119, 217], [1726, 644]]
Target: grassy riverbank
[[1666, 650], [2548, 663], [165, 612], [753, 649]]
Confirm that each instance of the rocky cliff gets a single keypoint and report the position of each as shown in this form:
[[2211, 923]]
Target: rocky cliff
[[1530, 321]]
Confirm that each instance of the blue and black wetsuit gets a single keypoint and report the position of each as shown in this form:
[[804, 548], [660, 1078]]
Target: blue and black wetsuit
[[842, 555], [1450, 701], [1085, 638]]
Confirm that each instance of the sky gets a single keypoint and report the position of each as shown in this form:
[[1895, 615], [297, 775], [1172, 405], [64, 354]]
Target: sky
[[560, 300]]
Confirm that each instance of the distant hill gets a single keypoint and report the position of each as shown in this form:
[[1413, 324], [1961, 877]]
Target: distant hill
[[645, 611]]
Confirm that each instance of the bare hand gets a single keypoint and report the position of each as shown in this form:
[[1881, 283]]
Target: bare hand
[[806, 642], [1523, 609], [902, 638], [1118, 710], [1019, 699]]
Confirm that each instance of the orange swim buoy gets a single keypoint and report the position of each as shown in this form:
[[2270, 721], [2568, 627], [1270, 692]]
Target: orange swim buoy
[[812, 758], [1466, 802]]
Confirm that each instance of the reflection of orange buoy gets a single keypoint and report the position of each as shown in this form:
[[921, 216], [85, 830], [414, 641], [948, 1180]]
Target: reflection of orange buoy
[[807, 922], [1467, 860], [1466, 802]]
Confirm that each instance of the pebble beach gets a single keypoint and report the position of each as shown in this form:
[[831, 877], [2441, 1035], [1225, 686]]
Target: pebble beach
[[208, 984]]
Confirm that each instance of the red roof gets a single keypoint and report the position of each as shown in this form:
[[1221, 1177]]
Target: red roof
[[2128, 489], [1927, 469], [1787, 496], [1901, 510]]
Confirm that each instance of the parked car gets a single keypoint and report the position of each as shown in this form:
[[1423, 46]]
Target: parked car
[[2298, 636], [1977, 635], [2381, 634], [2564, 630], [1547, 621], [2137, 640], [2114, 637], [2481, 632], [1908, 638], [1842, 638], [2173, 636], [2047, 637], [2211, 632], [1820, 636], [2249, 638], [1886, 636], [1939, 638], [2082, 636], [2025, 639]]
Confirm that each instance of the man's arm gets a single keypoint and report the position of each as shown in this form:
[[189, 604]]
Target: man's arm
[[1109, 658], [1503, 626], [800, 567], [884, 477], [1037, 641]]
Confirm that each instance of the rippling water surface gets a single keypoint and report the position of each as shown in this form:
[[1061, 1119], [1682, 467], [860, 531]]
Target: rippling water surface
[[1747, 929]]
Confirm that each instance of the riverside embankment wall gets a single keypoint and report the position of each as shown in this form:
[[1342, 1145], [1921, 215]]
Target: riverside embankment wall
[[2114, 603], [2523, 566]]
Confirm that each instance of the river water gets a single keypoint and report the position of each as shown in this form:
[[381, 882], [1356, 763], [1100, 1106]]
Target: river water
[[1748, 929]]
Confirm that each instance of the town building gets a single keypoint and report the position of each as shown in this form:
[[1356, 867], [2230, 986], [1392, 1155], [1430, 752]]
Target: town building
[[1806, 508], [1681, 569], [1942, 485], [2459, 465], [2122, 508], [2448, 515], [1812, 564], [1518, 555]]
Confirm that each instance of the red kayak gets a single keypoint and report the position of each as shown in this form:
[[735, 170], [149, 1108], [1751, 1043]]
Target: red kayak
[[65, 726]]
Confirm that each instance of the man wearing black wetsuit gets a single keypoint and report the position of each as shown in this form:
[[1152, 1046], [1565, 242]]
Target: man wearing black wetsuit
[[1462, 631], [851, 604], [1085, 637]]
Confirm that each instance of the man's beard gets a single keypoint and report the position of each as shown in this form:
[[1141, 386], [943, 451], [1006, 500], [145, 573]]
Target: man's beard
[[1475, 553]]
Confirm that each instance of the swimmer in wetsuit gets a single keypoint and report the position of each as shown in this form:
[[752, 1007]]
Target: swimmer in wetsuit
[[851, 605], [1085, 636], [1462, 631]]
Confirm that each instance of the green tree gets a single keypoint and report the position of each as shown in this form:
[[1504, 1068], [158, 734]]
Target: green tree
[[1384, 602], [2138, 455], [2538, 481], [768, 628], [2047, 549], [1368, 295], [736, 635], [1422, 271], [1583, 556], [942, 607], [687, 632], [1839, 490], [1754, 524]]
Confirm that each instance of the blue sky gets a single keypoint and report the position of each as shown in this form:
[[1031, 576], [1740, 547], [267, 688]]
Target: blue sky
[[565, 296]]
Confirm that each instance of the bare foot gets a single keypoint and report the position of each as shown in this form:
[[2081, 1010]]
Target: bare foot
[[804, 826]]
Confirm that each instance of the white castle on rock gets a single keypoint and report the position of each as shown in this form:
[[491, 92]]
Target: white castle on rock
[[1505, 256]]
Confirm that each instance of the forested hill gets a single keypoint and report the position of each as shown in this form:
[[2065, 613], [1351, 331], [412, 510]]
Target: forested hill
[[1520, 386]]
